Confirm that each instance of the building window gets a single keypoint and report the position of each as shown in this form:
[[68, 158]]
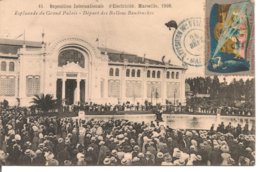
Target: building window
[[177, 75], [3, 66], [11, 66], [158, 74], [114, 88], [117, 72], [7, 86], [134, 89], [148, 74], [127, 72], [172, 75], [111, 72], [71, 56], [168, 75], [173, 90], [32, 85], [153, 90], [133, 73], [153, 74], [138, 73]]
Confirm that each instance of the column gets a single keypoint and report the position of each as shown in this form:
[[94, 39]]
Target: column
[[78, 92], [164, 87], [63, 88], [86, 91], [144, 76], [123, 85]]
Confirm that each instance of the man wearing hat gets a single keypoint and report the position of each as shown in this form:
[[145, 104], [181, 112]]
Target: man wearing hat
[[167, 160], [136, 161], [179, 162], [159, 159], [94, 151], [214, 157], [60, 146], [103, 150], [50, 161], [136, 151], [63, 155], [26, 158], [39, 160], [81, 159], [203, 153], [149, 159], [114, 161], [3, 157]]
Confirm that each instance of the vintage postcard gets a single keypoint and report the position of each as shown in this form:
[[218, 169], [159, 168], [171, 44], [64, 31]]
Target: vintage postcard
[[127, 83]]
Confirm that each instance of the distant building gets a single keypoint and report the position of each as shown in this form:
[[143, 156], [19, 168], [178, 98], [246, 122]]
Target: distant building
[[75, 71]]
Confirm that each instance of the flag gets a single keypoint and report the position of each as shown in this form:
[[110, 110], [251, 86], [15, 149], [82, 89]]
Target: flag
[[19, 36]]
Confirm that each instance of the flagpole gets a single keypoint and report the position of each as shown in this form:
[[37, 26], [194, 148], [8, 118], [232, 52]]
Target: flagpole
[[24, 37], [24, 46]]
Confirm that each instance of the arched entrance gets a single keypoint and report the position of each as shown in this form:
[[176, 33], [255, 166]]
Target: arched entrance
[[71, 84]]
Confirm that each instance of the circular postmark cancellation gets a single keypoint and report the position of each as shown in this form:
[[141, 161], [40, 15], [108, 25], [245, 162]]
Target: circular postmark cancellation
[[187, 41]]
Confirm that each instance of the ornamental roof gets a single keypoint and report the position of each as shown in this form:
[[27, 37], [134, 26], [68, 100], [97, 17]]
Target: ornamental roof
[[10, 47]]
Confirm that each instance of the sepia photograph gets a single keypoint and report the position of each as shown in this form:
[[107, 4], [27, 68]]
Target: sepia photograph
[[127, 83]]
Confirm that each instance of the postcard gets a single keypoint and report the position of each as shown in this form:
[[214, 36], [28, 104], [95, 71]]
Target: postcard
[[127, 83]]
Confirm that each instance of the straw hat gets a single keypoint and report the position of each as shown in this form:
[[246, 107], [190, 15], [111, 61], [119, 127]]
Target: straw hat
[[107, 161], [38, 152], [224, 149], [123, 161], [113, 159], [135, 159], [120, 137], [17, 137], [101, 143], [67, 162], [140, 155], [80, 156], [159, 155], [136, 148], [100, 138], [114, 152], [60, 140], [27, 152], [53, 162], [35, 128], [49, 155]]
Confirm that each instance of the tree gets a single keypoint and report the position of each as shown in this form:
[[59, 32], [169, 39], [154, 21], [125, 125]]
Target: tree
[[44, 102]]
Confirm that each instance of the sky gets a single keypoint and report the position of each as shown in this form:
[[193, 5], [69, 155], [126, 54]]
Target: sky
[[134, 34]]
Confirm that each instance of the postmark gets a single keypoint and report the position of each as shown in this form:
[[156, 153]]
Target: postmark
[[187, 42]]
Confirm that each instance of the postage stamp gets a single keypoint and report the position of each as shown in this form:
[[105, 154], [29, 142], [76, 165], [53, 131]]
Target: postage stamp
[[230, 37], [187, 41]]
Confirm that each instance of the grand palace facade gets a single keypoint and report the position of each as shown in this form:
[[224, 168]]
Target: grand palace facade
[[73, 70]]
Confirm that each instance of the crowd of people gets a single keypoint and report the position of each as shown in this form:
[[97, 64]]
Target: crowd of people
[[55, 141], [107, 108]]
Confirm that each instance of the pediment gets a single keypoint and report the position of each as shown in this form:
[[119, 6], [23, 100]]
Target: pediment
[[73, 67]]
